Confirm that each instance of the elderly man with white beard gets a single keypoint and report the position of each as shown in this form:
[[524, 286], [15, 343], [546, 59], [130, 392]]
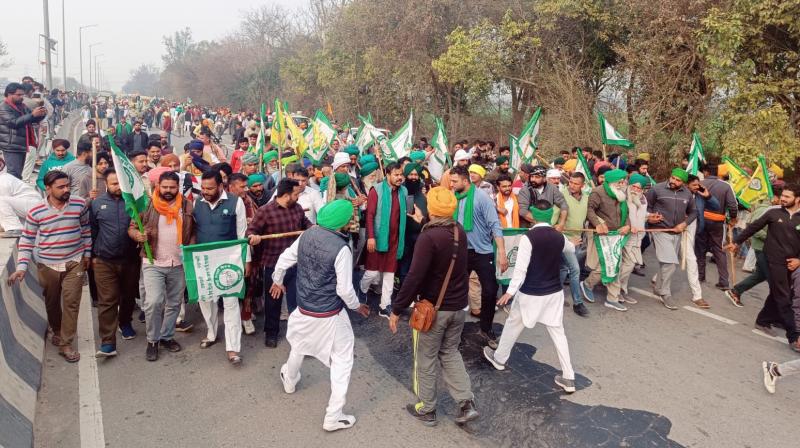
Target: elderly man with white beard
[[608, 211], [637, 212]]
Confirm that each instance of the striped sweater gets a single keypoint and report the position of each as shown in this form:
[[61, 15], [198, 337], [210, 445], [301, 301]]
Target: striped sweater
[[62, 234]]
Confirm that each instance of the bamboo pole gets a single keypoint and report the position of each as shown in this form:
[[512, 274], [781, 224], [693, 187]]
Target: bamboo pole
[[274, 236], [731, 256]]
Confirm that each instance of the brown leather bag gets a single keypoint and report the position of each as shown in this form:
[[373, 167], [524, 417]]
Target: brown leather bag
[[424, 313]]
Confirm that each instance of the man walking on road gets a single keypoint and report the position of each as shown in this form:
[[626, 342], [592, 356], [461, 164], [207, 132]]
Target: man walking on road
[[59, 229], [319, 326], [709, 238], [116, 267], [17, 134], [168, 223]]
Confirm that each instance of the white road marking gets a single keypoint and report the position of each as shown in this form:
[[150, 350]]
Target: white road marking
[[643, 292], [724, 320], [774, 338], [91, 413]]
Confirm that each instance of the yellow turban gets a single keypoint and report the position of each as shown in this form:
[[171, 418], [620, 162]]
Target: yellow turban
[[477, 169], [570, 165], [441, 202], [644, 156], [722, 170]]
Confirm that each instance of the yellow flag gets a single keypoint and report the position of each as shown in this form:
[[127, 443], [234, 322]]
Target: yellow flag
[[737, 176], [758, 188], [298, 139], [277, 134]]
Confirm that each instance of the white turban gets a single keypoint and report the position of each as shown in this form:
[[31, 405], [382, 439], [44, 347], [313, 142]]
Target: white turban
[[340, 158]]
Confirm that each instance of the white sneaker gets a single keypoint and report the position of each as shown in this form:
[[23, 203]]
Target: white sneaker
[[769, 376], [249, 328], [288, 386], [343, 422], [488, 353]]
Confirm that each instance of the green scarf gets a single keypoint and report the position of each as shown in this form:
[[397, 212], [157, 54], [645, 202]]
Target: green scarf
[[623, 205], [385, 209], [470, 195], [128, 128]]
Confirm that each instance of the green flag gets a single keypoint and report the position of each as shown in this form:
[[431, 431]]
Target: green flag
[[527, 142], [402, 141], [610, 136], [696, 155], [439, 161], [133, 189], [215, 270], [609, 251]]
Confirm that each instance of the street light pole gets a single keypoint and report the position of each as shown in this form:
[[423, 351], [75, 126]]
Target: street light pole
[[97, 73], [63, 46], [80, 48], [47, 62], [90, 63]]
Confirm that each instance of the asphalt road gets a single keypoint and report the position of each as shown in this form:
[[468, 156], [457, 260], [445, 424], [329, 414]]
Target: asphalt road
[[648, 377]]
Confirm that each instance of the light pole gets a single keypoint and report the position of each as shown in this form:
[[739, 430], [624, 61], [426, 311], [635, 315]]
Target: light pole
[[80, 47], [48, 63], [97, 73], [63, 46], [90, 63]]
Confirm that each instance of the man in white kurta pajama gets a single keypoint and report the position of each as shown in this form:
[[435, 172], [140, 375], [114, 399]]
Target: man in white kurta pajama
[[540, 295], [319, 326]]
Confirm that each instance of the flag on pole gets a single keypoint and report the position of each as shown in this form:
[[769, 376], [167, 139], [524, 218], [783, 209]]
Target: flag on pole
[[298, 140], [215, 270], [511, 237], [262, 133], [609, 251], [133, 190], [278, 133], [366, 136], [583, 167], [527, 142], [610, 136], [737, 176], [696, 155], [758, 187], [321, 135], [439, 161], [402, 141]]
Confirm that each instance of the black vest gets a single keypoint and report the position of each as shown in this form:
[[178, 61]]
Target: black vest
[[316, 274], [215, 225], [542, 277]]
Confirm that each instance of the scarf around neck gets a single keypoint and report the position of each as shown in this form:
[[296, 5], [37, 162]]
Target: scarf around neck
[[501, 202], [623, 205], [468, 205], [30, 135], [385, 209], [171, 212]]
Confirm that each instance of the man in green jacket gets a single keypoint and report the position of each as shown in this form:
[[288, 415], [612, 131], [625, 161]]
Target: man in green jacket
[[58, 158]]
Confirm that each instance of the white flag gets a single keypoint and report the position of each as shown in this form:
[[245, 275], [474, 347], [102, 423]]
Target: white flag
[[215, 269]]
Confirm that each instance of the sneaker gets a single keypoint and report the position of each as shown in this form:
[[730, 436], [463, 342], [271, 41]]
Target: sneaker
[[141, 316], [127, 332], [667, 302], [288, 386], [702, 304], [171, 345], [427, 419], [344, 422], [770, 370], [249, 328], [152, 351], [11, 234], [488, 353], [581, 310], [587, 293], [567, 385], [184, 327], [625, 298], [385, 312], [106, 351], [638, 270], [491, 338], [733, 296], [466, 412], [615, 306]]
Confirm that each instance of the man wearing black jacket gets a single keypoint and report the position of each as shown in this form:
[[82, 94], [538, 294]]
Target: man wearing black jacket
[[17, 133], [709, 238], [782, 248], [436, 247]]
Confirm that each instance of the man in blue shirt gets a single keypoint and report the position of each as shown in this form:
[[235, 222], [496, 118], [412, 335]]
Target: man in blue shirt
[[476, 212]]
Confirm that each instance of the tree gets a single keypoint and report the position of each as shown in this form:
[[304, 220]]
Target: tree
[[144, 80]]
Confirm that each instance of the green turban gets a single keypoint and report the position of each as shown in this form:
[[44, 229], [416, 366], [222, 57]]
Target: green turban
[[367, 158], [335, 215], [352, 150], [544, 216], [559, 161], [368, 168], [615, 175], [681, 174], [638, 179], [342, 180], [412, 167], [257, 178], [287, 160], [269, 156], [417, 156], [249, 157], [500, 160]]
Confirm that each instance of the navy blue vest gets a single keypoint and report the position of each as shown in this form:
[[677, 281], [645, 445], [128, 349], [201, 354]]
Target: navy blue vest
[[215, 225], [316, 274], [542, 277]]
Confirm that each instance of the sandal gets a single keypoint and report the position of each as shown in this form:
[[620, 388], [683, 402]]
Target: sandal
[[70, 356], [205, 343], [56, 340], [235, 360]]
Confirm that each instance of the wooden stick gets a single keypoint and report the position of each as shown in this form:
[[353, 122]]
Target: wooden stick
[[281, 235], [732, 256], [684, 246], [595, 230], [94, 164]]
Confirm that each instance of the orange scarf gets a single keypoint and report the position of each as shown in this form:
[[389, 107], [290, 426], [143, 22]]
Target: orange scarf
[[501, 203], [170, 212]]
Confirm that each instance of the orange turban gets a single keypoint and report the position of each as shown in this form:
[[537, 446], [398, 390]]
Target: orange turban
[[441, 202], [570, 165]]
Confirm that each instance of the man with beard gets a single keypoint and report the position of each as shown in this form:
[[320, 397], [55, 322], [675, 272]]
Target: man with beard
[[538, 189], [219, 217], [237, 186], [782, 247], [386, 231], [255, 189], [706, 205], [501, 168], [17, 133], [115, 265], [608, 212], [167, 223], [309, 199], [79, 169], [238, 153], [154, 154], [709, 237], [414, 187], [281, 215], [56, 161], [136, 140], [59, 230], [637, 213], [670, 206]]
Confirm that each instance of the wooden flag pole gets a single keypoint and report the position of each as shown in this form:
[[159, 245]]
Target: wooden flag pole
[[94, 164], [731, 255], [274, 236]]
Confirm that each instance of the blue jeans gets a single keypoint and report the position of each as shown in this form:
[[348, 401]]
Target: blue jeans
[[570, 265]]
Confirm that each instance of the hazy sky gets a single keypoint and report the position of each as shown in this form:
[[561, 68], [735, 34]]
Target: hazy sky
[[130, 32]]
